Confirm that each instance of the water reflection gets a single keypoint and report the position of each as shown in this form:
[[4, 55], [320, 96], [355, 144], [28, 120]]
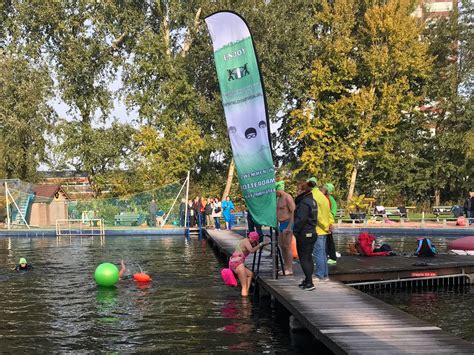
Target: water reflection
[[106, 298], [452, 309], [186, 308]]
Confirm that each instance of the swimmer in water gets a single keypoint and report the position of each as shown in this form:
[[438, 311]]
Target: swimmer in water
[[123, 269], [141, 276], [23, 265]]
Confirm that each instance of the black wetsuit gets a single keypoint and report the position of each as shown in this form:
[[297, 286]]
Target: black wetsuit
[[26, 268], [305, 219]]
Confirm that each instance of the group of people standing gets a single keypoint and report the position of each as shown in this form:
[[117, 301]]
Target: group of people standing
[[207, 212], [309, 218]]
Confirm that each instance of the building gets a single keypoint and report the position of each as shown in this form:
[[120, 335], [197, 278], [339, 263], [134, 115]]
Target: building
[[432, 9], [50, 203], [75, 184]]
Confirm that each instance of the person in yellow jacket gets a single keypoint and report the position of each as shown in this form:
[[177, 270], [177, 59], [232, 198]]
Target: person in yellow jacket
[[323, 229]]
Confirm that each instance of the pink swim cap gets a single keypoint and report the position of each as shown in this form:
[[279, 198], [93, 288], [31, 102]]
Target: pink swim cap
[[254, 236]]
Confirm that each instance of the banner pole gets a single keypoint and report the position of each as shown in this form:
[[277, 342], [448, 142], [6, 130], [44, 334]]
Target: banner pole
[[186, 209], [8, 205]]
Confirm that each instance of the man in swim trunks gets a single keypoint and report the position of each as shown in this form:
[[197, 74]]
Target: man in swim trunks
[[23, 265], [285, 210]]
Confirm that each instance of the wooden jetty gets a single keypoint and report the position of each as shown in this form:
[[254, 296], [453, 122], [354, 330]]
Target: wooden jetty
[[345, 320], [360, 268]]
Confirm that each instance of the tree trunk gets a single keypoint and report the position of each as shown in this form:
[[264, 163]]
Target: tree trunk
[[437, 197], [190, 33], [230, 176], [352, 184], [166, 33]]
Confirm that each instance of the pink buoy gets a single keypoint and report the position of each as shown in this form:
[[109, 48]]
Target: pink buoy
[[466, 243]]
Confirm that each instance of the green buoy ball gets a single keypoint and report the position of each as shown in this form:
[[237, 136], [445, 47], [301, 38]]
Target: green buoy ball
[[106, 274]]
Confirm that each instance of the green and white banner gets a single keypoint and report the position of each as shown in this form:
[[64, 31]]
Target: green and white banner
[[245, 111]]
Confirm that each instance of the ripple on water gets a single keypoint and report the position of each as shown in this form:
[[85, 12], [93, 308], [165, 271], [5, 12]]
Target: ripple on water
[[58, 308]]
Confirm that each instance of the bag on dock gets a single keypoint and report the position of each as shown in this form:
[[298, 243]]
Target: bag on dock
[[425, 248], [228, 277], [461, 221]]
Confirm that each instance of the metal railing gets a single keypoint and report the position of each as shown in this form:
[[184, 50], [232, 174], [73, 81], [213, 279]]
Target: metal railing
[[79, 227], [430, 282]]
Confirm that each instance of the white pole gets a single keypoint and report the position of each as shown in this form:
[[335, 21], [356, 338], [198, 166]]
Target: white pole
[[186, 202], [176, 198], [8, 205]]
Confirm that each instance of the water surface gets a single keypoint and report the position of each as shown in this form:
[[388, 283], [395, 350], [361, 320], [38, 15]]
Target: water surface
[[58, 308], [450, 309]]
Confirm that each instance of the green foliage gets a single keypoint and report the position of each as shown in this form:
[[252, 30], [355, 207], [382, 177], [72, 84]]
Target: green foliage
[[343, 79], [358, 204], [25, 116], [368, 66]]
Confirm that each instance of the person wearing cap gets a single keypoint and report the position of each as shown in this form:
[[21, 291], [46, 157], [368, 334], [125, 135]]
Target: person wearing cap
[[23, 265], [237, 260], [323, 229], [327, 189], [285, 215]]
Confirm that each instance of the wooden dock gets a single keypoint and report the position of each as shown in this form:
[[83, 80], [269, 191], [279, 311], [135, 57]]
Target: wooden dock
[[345, 320], [360, 268]]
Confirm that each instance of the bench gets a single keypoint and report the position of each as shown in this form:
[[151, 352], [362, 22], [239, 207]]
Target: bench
[[442, 210], [128, 219], [389, 211], [393, 211]]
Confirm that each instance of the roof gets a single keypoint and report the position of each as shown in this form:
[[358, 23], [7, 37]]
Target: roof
[[49, 191]]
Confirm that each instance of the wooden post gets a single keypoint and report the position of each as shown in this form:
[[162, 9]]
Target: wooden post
[[7, 204], [186, 229]]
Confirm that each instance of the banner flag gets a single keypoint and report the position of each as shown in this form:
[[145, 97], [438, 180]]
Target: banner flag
[[245, 112]]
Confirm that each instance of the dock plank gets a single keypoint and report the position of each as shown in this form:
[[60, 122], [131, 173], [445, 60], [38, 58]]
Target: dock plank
[[349, 321]]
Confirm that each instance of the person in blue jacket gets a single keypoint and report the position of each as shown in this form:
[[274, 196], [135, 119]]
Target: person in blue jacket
[[227, 208]]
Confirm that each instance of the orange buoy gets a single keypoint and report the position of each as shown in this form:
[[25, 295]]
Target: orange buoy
[[141, 277], [293, 247]]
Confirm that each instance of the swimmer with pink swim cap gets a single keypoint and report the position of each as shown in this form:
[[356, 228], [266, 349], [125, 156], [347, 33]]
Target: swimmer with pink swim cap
[[237, 260]]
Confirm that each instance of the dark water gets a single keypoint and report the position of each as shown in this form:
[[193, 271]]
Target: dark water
[[449, 309], [58, 308]]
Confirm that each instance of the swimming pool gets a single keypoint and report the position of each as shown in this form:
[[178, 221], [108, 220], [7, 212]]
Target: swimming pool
[[58, 308]]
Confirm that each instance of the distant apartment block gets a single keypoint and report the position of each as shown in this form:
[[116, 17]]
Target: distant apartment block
[[432, 9], [75, 184]]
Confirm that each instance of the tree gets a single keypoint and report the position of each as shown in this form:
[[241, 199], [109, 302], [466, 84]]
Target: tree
[[172, 79], [367, 73], [79, 45], [25, 116], [437, 134], [95, 150]]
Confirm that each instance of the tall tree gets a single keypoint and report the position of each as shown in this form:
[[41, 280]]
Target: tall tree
[[366, 76], [79, 42], [25, 116], [436, 136]]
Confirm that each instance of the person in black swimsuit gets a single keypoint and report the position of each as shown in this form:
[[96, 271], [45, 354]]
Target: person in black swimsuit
[[23, 265]]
